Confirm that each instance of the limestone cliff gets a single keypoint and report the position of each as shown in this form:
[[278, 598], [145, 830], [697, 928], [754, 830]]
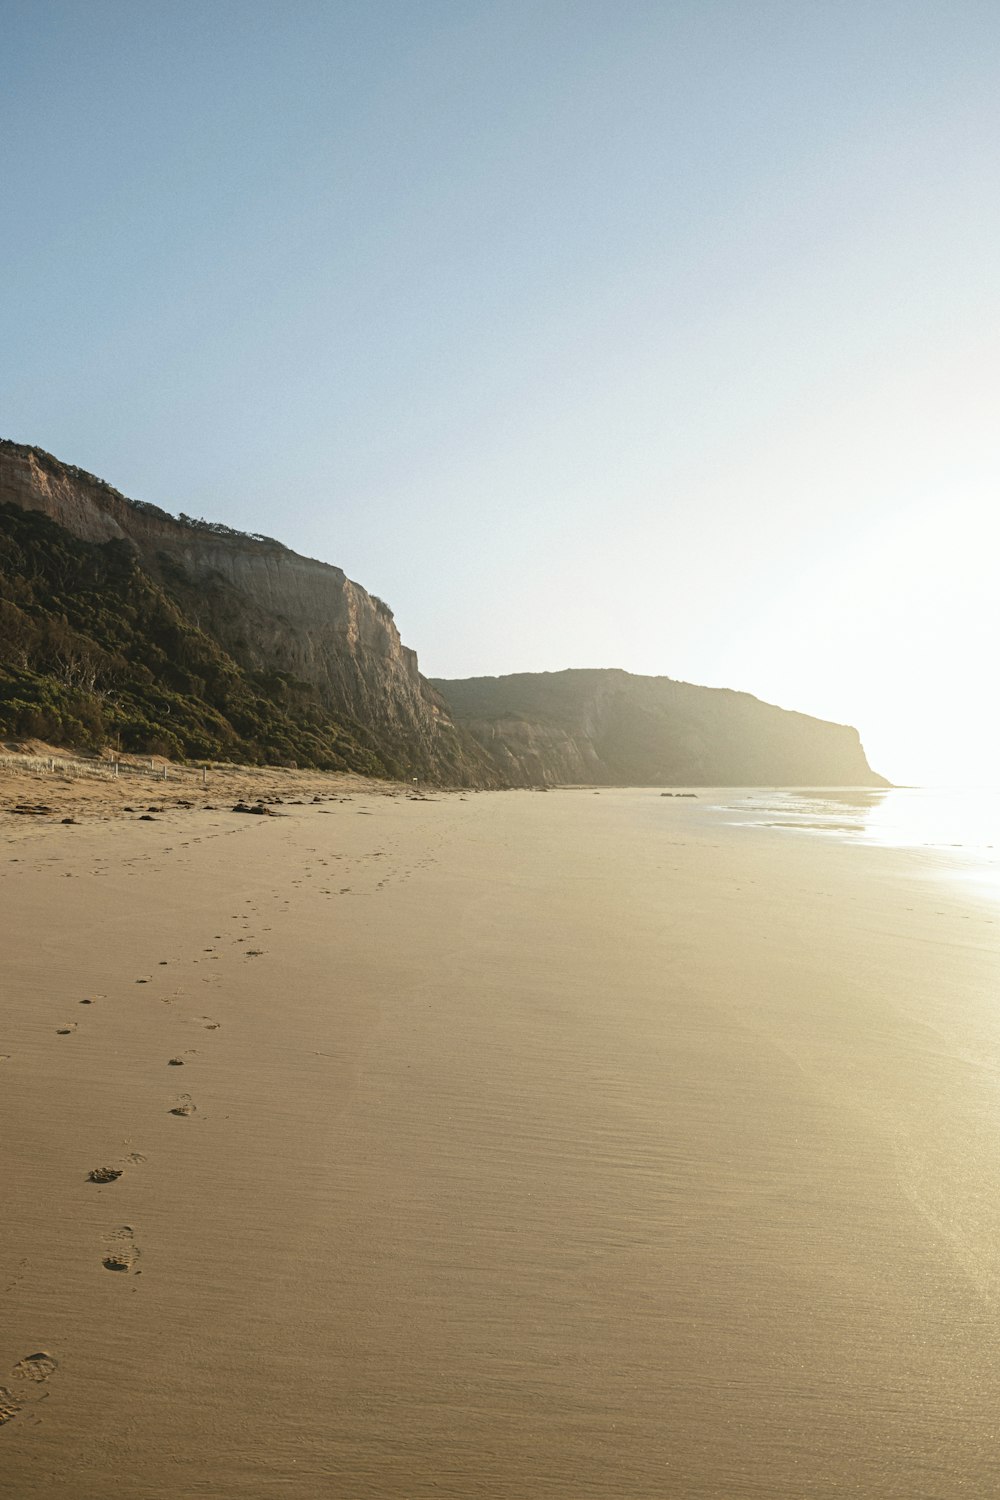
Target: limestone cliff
[[120, 620], [615, 729], [270, 609]]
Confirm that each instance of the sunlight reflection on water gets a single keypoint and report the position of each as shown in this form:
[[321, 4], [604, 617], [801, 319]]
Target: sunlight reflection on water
[[960, 824]]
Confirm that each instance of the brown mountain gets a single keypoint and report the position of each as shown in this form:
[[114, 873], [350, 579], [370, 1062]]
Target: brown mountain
[[298, 643], [611, 728], [121, 622]]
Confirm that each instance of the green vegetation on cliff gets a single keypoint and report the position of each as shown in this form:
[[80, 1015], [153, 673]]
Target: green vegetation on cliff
[[93, 651]]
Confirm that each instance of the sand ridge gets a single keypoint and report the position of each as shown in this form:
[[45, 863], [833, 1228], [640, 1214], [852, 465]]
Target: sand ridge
[[50, 785]]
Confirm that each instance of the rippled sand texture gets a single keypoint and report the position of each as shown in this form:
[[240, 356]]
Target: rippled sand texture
[[513, 1145]]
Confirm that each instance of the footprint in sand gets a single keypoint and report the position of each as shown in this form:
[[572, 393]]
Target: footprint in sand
[[121, 1253], [36, 1367], [184, 1106]]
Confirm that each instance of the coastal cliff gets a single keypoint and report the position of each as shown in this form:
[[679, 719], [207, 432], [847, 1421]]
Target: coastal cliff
[[293, 626], [611, 728], [120, 623]]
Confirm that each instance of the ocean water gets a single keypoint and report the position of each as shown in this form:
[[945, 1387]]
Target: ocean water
[[957, 829]]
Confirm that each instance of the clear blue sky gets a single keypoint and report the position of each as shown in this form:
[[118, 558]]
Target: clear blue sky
[[662, 336]]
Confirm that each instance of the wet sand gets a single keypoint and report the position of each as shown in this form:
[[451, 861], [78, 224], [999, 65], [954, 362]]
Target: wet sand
[[504, 1145]]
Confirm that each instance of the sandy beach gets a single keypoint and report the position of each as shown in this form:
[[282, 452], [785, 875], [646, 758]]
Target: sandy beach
[[501, 1145]]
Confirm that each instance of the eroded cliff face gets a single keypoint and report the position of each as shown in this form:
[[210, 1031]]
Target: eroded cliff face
[[282, 616], [615, 729], [271, 609]]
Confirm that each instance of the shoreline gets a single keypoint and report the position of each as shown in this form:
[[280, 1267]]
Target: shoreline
[[70, 783]]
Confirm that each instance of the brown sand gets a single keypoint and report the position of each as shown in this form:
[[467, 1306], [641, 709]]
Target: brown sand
[[78, 788], [559, 1146]]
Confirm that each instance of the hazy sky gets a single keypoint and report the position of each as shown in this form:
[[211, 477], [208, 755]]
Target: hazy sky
[[661, 336]]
